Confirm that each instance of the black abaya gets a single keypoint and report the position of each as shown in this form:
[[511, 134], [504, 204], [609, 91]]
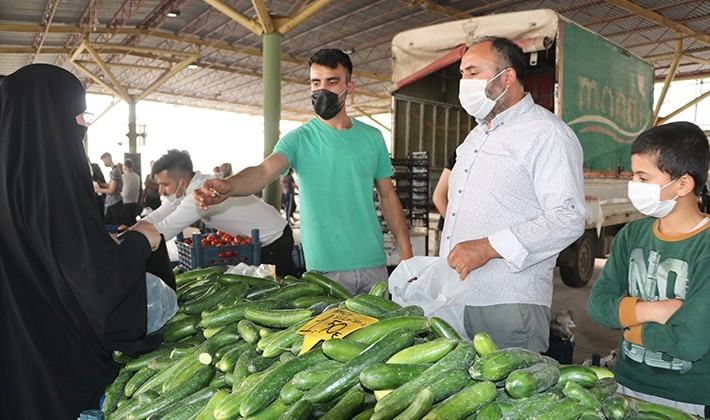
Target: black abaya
[[69, 294]]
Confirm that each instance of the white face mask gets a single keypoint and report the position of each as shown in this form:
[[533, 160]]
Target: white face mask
[[646, 198], [173, 198], [473, 98]]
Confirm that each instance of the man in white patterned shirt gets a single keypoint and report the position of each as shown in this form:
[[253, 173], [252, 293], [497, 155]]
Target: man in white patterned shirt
[[516, 199]]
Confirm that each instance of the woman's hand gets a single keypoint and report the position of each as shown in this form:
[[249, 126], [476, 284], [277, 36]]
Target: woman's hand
[[150, 232]]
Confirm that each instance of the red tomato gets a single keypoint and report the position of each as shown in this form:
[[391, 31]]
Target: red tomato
[[247, 241], [211, 237], [205, 243], [188, 241]]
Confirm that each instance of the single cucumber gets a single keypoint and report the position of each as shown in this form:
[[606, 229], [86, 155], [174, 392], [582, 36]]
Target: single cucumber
[[524, 382], [603, 388], [490, 411], [289, 394], [419, 407], [579, 374], [310, 377], [282, 341], [260, 364], [229, 278], [257, 292], [464, 402], [399, 399], [498, 364], [378, 289], [567, 408], [379, 301], [364, 308], [330, 287], [193, 290], [145, 359], [443, 329], [617, 407], [410, 310], [114, 392], [428, 352], [273, 411], [248, 330], [229, 358], [530, 406], [267, 389], [348, 406], [365, 415], [649, 408], [373, 332], [342, 349], [300, 410], [293, 291], [483, 343], [277, 318], [138, 379], [347, 375], [389, 376], [180, 329], [575, 391]]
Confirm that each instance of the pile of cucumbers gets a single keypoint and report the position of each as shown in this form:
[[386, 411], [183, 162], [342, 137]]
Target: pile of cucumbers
[[232, 352]]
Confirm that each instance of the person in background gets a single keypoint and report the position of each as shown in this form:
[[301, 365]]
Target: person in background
[[338, 160], [236, 216], [112, 190], [97, 176], [515, 199], [288, 195], [441, 191], [655, 286], [130, 193], [69, 293], [151, 195]]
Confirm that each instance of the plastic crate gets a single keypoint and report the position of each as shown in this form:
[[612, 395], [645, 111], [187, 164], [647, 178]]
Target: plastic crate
[[196, 256]]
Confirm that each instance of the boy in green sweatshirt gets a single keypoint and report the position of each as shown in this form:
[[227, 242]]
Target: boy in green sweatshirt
[[656, 283]]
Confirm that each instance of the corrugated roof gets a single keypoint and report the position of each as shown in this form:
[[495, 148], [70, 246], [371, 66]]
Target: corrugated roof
[[229, 75]]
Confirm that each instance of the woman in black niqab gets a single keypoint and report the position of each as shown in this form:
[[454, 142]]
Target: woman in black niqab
[[69, 294]]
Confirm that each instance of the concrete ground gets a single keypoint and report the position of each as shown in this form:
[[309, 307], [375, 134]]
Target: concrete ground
[[589, 338]]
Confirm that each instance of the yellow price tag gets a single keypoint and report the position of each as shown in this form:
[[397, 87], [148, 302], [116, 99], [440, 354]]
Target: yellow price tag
[[334, 323]]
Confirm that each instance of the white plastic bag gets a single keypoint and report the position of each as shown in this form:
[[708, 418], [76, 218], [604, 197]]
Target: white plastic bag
[[162, 302], [429, 282]]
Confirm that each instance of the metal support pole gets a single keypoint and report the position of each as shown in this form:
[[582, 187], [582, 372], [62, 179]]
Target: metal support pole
[[272, 107], [132, 135]]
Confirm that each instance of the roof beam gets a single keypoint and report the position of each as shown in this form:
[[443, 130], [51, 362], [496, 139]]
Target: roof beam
[[236, 15], [660, 19]]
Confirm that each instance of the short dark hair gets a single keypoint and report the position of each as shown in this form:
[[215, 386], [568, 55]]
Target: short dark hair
[[510, 55], [176, 162], [128, 163], [679, 148], [331, 57], [106, 155]]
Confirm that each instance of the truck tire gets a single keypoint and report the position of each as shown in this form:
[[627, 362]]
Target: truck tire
[[580, 271]]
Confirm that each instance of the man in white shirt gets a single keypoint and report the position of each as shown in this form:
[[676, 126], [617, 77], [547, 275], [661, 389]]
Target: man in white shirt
[[515, 199], [236, 216]]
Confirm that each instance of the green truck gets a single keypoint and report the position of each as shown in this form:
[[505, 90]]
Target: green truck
[[599, 89]]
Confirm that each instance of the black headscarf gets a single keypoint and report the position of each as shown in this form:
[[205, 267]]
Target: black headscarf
[[69, 294]]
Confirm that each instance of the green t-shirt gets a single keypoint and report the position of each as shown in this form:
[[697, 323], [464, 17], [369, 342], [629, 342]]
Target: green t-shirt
[[674, 361], [336, 175]]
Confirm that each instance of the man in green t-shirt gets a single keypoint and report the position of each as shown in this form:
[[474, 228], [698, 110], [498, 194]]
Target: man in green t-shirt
[[337, 160]]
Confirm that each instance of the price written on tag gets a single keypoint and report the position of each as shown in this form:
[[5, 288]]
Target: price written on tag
[[334, 323]]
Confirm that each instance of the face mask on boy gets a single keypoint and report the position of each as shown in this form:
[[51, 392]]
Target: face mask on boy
[[473, 98], [174, 198], [646, 198]]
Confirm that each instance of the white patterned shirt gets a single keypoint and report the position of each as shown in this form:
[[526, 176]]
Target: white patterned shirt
[[519, 183]]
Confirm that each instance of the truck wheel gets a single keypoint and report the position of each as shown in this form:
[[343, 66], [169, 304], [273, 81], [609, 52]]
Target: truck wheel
[[580, 272]]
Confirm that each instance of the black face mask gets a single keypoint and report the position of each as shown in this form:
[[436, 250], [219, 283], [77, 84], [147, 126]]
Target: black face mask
[[325, 103]]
